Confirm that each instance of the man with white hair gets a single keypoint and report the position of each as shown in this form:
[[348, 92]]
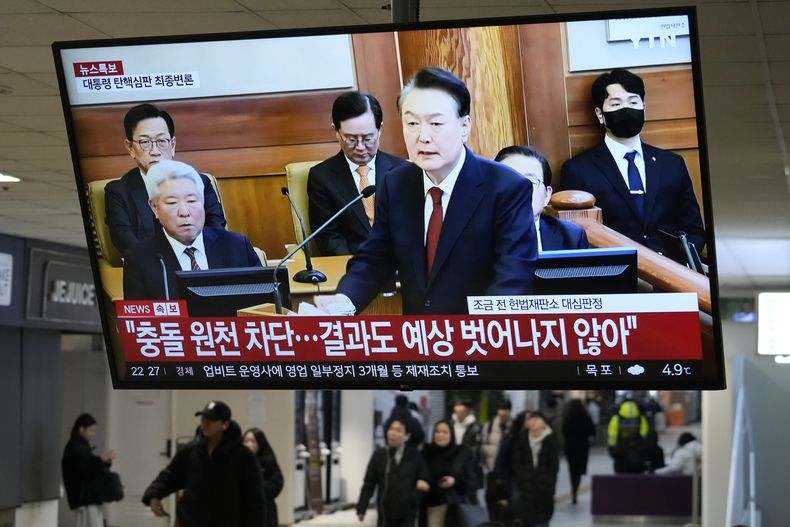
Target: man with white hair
[[176, 194]]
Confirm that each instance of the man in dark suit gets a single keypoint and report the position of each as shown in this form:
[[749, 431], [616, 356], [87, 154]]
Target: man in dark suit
[[453, 224], [331, 184], [641, 189], [183, 242], [150, 138], [553, 233]]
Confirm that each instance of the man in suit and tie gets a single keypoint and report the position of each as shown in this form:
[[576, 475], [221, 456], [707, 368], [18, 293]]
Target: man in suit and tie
[[181, 238], [641, 189], [150, 138], [331, 184], [452, 224], [553, 233]]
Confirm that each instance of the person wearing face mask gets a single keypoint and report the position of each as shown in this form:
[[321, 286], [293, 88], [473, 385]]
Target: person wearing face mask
[[641, 189]]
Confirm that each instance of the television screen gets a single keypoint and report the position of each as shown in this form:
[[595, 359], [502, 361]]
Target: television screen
[[488, 143]]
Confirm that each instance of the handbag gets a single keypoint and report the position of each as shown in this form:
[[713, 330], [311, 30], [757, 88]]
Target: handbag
[[107, 486], [469, 515]]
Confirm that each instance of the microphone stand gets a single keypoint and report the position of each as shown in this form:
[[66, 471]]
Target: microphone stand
[[307, 275], [278, 302]]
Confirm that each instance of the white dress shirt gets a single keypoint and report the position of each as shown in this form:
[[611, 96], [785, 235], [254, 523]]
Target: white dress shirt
[[183, 258], [371, 171], [446, 185]]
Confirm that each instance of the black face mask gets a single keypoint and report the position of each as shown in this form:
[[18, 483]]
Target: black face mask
[[625, 122]]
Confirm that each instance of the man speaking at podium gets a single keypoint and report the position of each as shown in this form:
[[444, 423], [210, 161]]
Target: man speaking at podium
[[180, 240], [452, 224]]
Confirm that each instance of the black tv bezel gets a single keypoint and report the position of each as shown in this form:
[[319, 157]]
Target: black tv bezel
[[715, 381]]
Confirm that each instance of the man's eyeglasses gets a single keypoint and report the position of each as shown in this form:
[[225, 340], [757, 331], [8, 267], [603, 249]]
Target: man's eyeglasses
[[148, 144], [354, 140]]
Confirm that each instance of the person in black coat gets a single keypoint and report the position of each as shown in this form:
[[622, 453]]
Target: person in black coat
[[150, 138], [221, 479], [534, 463], [399, 473], [452, 477], [255, 440], [554, 234], [181, 241], [82, 469], [577, 429], [414, 427]]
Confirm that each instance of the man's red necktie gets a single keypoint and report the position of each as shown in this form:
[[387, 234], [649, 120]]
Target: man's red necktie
[[434, 227]]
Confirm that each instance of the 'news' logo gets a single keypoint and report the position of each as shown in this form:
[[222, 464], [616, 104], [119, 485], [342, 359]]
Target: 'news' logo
[[104, 68]]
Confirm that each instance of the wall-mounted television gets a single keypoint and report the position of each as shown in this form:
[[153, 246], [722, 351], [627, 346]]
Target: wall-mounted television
[[246, 114]]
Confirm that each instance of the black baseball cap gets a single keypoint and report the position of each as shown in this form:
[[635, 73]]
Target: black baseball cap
[[215, 411]]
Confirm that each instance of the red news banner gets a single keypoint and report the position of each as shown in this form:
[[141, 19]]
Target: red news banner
[[651, 326]]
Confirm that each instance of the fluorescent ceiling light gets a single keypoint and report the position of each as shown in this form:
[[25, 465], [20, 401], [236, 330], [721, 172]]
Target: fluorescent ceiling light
[[5, 178]]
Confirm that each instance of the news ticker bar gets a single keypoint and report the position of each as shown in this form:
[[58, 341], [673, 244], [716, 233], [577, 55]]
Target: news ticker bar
[[414, 374]]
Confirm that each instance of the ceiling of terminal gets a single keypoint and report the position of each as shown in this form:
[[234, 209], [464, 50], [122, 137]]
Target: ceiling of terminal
[[746, 74]]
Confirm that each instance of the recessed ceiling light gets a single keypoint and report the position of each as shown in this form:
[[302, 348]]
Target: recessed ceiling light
[[5, 178]]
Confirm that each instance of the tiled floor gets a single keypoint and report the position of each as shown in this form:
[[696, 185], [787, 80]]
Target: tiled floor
[[565, 513]]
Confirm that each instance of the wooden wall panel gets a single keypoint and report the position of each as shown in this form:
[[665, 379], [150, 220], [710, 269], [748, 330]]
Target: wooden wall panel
[[544, 86], [246, 141], [236, 162], [376, 59], [255, 207], [484, 59], [669, 94], [225, 122]]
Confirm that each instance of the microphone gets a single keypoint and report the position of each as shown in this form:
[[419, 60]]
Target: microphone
[[308, 275], [687, 245], [164, 275], [278, 303]]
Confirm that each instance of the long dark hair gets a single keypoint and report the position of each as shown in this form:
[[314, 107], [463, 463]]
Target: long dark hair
[[83, 421], [264, 448]]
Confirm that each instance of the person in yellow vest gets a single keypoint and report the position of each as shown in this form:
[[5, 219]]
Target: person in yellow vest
[[627, 428]]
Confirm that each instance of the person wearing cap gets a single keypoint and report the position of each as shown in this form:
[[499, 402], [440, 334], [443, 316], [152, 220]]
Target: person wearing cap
[[220, 477], [81, 470]]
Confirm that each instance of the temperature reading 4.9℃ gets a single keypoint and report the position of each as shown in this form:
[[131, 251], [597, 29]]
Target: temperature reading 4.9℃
[[676, 369]]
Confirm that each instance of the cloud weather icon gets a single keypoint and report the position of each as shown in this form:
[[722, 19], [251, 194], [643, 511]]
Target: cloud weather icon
[[636, 369]]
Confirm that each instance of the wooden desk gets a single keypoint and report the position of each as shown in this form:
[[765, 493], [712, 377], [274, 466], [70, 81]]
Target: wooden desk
[[334, 267]]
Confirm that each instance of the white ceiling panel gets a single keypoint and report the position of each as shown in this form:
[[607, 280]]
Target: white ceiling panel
[[35, 153], [778, 46], [375, 16], [22, 7], [729, 48], [19, 83], [725, 19], [313, 18], [40, 30], [31, 105], [27, 59], [288, 5], [25, 139], [461, 13], [43, 123], [142, 6], [775, 16], [6, 126], [729, 73], [143, 24]]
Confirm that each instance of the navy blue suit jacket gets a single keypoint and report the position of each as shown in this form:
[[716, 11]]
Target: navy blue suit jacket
[[487, 245], [142, 270], [557, 234], [330, 185], [131, 219], [670, 202]]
